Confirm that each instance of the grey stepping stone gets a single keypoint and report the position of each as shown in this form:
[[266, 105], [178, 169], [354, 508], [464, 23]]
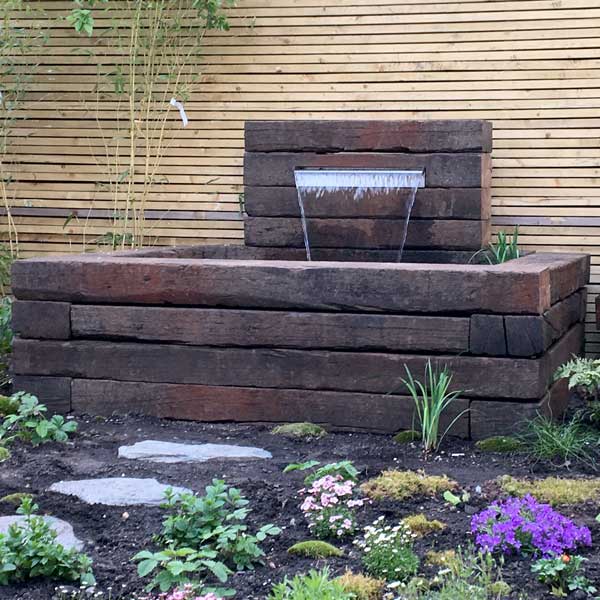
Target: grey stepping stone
[[169, 452], [65, 536], [117, 491]]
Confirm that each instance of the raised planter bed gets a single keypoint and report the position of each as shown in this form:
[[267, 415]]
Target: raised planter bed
[[257, 333]]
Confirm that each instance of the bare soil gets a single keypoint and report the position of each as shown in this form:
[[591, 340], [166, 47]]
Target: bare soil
[[113, 537]]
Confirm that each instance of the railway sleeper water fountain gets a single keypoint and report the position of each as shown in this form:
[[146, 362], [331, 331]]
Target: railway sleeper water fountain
[[257, 332]]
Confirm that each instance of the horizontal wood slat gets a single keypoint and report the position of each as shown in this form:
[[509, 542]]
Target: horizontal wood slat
[[213, 327], [530, 66]]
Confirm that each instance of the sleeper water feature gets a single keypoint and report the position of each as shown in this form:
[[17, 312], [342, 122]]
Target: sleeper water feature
[[316, 183]]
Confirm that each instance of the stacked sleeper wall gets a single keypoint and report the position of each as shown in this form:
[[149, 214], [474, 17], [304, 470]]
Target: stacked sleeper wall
[[452, 212], [278, 341]]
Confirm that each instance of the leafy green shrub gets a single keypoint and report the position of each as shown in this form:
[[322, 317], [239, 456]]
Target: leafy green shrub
[[29, 550], [566, 443], [388, 551], [30, 424], [560, 573], [203, 536], [214, 521], [431, 399], [399, 485], [315, 549], [316, 585], [174, 568], [583, 375], [306, 431], [344, 469], [499, 443], [6, 337]]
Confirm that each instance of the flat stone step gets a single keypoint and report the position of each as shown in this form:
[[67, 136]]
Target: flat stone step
[[117, 491], [65, 535], [170, 452]]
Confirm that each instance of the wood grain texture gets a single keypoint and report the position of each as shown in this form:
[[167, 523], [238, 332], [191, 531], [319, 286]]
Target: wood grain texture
[[42, 320], [279, 329], [440, 203], [54, 392], [365, 136], [280, 368], [367, 233], [300, 285], [337, 410], [466, 170]]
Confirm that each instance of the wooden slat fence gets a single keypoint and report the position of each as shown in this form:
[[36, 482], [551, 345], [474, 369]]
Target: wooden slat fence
[[530, 66]]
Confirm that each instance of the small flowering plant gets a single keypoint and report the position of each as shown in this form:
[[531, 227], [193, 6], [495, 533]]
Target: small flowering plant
[[330, 505], [561, 574], [525, 526], [388, 551], [185, 593]]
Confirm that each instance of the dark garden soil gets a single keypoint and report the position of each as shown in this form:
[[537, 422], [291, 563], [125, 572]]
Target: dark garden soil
[[114, 535]]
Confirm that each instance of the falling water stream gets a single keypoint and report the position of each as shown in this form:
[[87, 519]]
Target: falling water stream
[[319, 182]]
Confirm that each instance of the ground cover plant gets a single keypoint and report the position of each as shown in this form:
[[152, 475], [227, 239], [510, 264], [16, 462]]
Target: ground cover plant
[[29, 550], [414, 494]]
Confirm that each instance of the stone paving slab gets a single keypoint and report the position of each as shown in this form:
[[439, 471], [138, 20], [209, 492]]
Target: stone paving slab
[[65, 536], [170, 452], [116, 491]]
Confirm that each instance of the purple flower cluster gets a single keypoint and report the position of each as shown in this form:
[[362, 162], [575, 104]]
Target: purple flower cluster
[[524, 525]]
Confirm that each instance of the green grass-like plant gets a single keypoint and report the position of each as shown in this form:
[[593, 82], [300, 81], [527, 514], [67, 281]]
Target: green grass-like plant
[[316, 585], [29, 551], [302, 431], [504, 249], [399, 485], [431, 400], [564, 443], [315, 549]]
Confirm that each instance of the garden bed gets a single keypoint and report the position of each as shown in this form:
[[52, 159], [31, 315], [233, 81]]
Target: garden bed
[[111, 540]]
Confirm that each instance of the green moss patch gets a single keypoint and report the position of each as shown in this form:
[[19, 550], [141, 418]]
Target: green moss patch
[[422, 526], [15, 499], [443, 558], [361, 587], [4, 454], [8, 406], [315, 549], [499, 443], [408, 436], [300, 430], [399, 485], [553, 490]]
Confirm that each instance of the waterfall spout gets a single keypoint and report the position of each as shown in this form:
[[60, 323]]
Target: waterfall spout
[[319, 182]]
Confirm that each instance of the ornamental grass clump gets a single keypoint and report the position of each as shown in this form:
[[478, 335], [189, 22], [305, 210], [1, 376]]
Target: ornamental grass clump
[[525, 526], [388, 551], [330, 505], [431, 400]]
